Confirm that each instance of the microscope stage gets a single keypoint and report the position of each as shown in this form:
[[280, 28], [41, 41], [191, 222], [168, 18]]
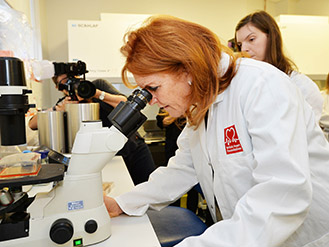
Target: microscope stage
[[47, 173]]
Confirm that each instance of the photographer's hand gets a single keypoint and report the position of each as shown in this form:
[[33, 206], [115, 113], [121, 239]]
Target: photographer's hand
[[61, 105], [111, 99]]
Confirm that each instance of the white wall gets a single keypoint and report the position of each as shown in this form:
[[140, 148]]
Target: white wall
[[220, 16], [306, 42], [298, 7]]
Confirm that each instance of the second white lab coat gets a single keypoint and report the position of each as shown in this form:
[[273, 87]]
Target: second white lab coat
[[324, 120], [263, 158], [310, 91]]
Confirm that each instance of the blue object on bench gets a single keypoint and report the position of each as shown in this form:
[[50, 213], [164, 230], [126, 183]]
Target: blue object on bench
[[172, 224]]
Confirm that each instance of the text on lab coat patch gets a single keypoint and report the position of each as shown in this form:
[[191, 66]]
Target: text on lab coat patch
[[231, 140]]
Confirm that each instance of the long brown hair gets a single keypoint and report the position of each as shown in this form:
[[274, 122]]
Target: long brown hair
[[274, 50], [172, 45]]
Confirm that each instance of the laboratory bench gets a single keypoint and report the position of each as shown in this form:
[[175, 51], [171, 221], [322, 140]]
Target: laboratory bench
[[127, 231]]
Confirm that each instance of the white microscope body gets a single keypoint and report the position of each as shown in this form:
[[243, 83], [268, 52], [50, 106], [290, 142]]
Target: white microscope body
[[73, 212]]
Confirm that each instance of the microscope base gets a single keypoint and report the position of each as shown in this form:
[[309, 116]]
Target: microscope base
[[41, 229]]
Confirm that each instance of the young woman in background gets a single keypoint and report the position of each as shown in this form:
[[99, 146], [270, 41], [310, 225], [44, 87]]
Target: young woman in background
[[259, 35]]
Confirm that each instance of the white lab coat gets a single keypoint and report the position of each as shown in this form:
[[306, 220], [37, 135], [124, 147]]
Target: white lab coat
[[324, 120], [310, 91], [263, 158]]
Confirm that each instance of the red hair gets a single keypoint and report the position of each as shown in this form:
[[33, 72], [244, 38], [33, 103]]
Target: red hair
[[171, 45]]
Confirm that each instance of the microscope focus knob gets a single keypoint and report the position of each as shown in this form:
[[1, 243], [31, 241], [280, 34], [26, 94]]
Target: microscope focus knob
[[61, 231], [91, 226]]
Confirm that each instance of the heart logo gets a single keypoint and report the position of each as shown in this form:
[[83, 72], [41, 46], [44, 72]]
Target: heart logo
[[231, 140], [230, 134]]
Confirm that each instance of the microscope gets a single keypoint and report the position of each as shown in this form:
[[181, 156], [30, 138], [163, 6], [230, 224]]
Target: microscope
[[72, 211], [13, 101]]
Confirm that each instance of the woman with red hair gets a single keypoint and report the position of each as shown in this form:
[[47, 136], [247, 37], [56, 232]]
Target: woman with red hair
[[251, 140]]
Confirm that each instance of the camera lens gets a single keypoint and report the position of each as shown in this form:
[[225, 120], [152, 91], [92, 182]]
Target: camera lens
[[86, 89]]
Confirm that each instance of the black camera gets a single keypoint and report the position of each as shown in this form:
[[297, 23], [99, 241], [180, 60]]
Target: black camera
[[75, 85], [71, 69]]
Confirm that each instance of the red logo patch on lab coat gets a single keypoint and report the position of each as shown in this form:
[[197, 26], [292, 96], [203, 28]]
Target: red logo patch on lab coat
[[231, 139]]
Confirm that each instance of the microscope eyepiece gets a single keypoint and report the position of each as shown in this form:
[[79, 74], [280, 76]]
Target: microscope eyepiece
[[140, 98], [127, 116], [144, 95]]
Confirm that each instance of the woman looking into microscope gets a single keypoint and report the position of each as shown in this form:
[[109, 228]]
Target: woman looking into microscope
[[251, 140]]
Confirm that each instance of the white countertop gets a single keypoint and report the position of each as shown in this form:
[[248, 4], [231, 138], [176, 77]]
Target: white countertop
[[127, 231]]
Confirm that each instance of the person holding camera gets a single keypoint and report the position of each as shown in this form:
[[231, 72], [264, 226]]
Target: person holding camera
[[136, 154]]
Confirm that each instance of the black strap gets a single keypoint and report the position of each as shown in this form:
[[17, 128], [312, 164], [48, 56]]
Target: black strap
[[206, 120], [60, 100]]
